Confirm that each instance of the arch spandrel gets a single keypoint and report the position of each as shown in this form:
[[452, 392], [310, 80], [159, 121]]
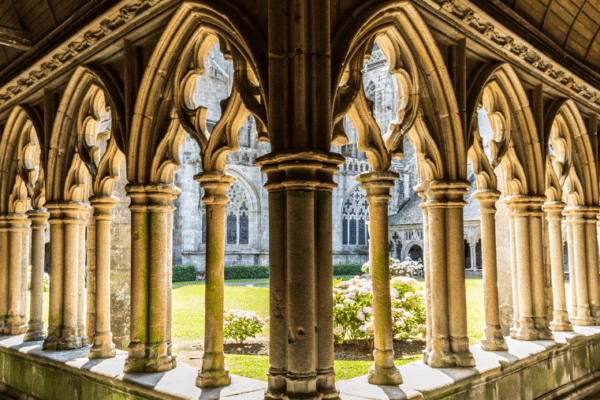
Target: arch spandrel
[[417, 64], [185, 41], [518, 148]]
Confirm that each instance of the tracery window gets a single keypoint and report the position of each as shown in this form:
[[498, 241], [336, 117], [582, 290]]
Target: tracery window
[[237, 219], [355, 214], [478, 258]]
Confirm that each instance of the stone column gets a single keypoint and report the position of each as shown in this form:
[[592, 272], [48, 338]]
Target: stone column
[[24, 273], [149, 349], [493, 340], [377, 186], [82, 295], [473, 251], [592, 262], [422, 192], [35, 329], [102, 346], [301, 273], [56, 317], [449, 341], [18, 226], [572, 273], [214, 373], [514, 276], [577, 220], [3, 275], [560, 322], [527, 213]]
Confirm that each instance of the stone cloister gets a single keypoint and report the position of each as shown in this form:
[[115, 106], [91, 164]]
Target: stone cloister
[[114, 96]]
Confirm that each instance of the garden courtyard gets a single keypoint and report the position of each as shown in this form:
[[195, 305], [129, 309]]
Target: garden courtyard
[[188, 331]]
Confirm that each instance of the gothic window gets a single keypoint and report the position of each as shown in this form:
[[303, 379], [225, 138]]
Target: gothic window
[[203, 221], [478, 259], [231, 229], [566, 257], [467, 255], [399, 251], [355, 214], [243, 229]]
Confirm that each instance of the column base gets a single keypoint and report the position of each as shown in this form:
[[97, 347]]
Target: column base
[[51, 342], [494, 341], [561, 322], [35, 331], [276, 384], [69, 339], [326, 384], [213, 378], [102, 346], [541, 326], [583, 321], [384, 372], [14, 325], [301, 386], [149, 357]]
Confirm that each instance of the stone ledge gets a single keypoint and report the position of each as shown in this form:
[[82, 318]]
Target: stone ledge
[[70, 374], [568, 368]]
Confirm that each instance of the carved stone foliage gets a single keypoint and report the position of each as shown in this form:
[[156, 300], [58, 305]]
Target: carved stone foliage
[[424, 113], [110, 21], [481, 23]]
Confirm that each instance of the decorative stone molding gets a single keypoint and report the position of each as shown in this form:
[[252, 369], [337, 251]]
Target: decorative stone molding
[[474, 19], [83, 41]]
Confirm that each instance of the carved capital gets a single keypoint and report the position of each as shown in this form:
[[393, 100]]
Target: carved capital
[[215, 185], [523, 205], [18, 222], [446, 194], [300, 170], [39, 219], [554, 211], [487, 200], [67, 212], [378, 184], [153, 197], [103, 207]]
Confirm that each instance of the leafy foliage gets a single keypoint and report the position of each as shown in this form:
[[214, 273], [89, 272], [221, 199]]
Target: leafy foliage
[[184, 273], [241, 325], [247, 272]]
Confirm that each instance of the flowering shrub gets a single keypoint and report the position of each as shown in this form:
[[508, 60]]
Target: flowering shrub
[[398, 268], [46, 280], [241, 325], [353, 309]]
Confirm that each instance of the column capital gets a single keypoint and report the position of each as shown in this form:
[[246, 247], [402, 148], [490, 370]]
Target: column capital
[[487, 199], [18, 222], [38, 218], [525, 205], [378, 184], [215, 185], [576, 214], [446, 194], [67, 212], [305, 169], [103, 206], [155, 197]]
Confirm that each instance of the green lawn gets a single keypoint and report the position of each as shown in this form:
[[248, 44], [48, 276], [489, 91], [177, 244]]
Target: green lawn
[[475, 320]]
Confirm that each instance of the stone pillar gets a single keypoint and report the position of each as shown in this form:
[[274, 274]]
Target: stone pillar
[[24, 273], [103, 346], [577, 219], [422, 192], [572, 272], [514, 277], [81, 299], [591, 236], [561, 321], [473, 252], [213, 372], [301, 273], [18, 226], [493, 340], [377, 186], [150, 348], [35, 329], [527, 213], [55, 317], [445, 236], [4, 249]]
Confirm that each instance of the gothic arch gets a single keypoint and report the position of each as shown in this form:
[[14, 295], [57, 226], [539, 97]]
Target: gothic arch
[[574, 162], [21, 158], [516, 145], [73, 153], [424, 88], [189, 36], [355, 215]]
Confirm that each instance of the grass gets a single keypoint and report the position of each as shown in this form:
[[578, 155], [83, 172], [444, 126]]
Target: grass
[[475, 310]]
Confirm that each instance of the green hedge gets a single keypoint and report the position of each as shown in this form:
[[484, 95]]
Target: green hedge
[[347, 269], [247, 272], [184, 273]]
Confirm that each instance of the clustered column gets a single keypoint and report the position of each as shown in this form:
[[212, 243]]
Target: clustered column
[[494, 340], [213, 372], [150, 349], [560, 321], [102, 346], [35, 329], [592, 261], [446, 275], [377, 186], [17, 229], [3, 275], [64, 331], [526, 213], [301, 273]]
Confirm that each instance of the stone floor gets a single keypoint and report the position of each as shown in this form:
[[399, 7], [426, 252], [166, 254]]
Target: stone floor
[[420, 381]]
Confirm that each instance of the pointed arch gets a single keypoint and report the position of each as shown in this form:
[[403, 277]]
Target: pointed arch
[[565, 129], [188, 37], [79, 101], [21, 158], [518, 146], [424, 84]]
